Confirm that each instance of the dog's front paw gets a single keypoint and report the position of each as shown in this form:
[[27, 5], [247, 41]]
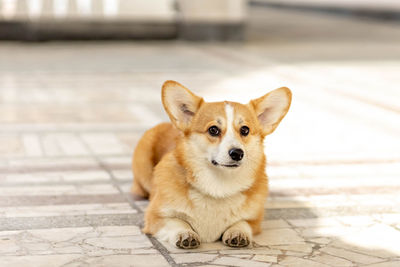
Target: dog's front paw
[[188, 240], [235, 238]]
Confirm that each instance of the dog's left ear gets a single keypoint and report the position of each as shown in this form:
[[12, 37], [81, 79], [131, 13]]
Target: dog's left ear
[[271, 108], [180, 104]]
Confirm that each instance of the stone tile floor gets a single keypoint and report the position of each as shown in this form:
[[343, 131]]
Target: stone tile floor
[[71, 114]]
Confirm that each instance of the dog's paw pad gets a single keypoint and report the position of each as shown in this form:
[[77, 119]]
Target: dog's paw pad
[[236, 239], [188, 240]]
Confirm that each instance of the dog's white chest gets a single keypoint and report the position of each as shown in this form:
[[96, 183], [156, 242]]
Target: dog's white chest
[[210, 217]]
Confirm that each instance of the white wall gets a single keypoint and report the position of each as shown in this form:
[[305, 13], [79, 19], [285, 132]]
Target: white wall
[[143, 10]]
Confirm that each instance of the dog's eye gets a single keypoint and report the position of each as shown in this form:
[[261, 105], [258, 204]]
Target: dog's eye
[[244, 130], [214, 130]]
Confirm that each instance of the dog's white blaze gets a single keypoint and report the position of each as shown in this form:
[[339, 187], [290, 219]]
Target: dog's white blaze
[[229, 140]]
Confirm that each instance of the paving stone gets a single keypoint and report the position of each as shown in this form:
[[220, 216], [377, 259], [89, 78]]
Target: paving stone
[[193, 257], [351, 256], [229, 261], [142, 204], [298, 262], [387, 218], [71, 145], [110, 162], [55, 177], [356, 220], [54, 164], [128, 242], [104, 144], [58, 190], [386, 264], [42, 260], [32, 145], [35, 247], [321, 240], [315, 222], [266, 258], [71, 249], [46, 222], [125, 187], [107, 231], [278, 237], [129, 260], [384, 239], [204, 247], [241, 256], [272, 224], [255, 250], [60, 234], [296, 254], [67, 210], [306, 248], [11, 146], [335, 231], [51, 145], [331, 260], [8, 245], [123, 174]]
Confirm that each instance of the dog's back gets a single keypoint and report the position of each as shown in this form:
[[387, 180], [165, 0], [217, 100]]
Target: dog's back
[[153, 145]]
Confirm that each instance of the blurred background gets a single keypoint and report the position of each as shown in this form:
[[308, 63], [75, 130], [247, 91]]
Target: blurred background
[[341, 59], [80, 82]]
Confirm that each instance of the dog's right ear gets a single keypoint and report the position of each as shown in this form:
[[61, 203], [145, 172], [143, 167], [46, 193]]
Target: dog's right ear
[[180, 104]]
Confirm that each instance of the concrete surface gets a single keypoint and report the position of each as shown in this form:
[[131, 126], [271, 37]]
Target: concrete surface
[[71, 114]]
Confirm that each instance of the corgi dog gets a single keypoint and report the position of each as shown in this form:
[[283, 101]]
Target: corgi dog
[[204, 173]]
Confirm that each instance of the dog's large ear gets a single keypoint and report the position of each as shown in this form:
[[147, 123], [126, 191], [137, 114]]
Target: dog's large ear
[[180, 104], [271, 108]]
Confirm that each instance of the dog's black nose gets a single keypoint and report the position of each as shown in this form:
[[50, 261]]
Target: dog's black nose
[[236, 154]]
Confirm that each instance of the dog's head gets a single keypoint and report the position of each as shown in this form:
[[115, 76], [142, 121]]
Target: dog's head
[[224, 137]]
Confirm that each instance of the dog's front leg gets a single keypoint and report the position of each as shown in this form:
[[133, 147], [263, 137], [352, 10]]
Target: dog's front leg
[[238, 235], [178, 233]]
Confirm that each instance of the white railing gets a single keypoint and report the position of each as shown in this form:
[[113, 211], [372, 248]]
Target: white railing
[[148, 10]]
